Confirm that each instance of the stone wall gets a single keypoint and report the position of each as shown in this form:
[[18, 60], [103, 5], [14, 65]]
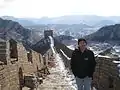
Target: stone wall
[[106, 75], [28, 67], [9, 79], [47, 56], [14, 70]]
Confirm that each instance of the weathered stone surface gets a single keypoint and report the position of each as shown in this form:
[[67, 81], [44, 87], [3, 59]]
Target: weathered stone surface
[[106, 75], [58, 79], [12, 73]]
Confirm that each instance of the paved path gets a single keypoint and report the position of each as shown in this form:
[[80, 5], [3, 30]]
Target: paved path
[[58, 79]]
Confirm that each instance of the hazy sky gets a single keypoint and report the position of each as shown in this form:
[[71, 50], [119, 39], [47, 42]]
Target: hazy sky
[[54, 8]]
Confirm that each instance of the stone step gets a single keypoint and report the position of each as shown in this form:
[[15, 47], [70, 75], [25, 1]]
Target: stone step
[[2, 46], [3, 55], [3, 51], [2, 43]]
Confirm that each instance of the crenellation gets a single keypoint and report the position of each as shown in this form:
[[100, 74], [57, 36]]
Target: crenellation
[[15, 65]]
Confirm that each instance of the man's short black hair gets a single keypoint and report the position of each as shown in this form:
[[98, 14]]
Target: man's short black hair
[[82, 39]]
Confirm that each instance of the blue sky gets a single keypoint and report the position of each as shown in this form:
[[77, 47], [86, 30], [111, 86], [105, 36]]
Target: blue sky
[[55, 8]]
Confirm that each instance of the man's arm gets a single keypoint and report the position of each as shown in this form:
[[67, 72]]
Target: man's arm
[[93, 61], [72, 63], [92, 64]]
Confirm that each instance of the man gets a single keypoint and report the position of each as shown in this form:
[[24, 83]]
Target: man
[[83, 65]]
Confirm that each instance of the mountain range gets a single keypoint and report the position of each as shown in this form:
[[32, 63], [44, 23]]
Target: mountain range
[[106, 33], [91, 20], [14, 30]]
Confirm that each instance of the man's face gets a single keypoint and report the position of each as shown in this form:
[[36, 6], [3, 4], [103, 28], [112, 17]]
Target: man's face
[[82, 44]]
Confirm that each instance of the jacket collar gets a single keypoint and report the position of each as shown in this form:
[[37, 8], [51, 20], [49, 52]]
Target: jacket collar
[[78, 49]]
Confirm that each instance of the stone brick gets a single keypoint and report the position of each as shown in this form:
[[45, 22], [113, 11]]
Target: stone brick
[[106, 69], [12, 73]]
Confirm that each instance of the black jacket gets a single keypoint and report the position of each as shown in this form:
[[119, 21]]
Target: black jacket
[[83, 64]]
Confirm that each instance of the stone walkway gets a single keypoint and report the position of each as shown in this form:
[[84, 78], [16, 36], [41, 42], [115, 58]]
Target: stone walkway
[[58, 79]]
